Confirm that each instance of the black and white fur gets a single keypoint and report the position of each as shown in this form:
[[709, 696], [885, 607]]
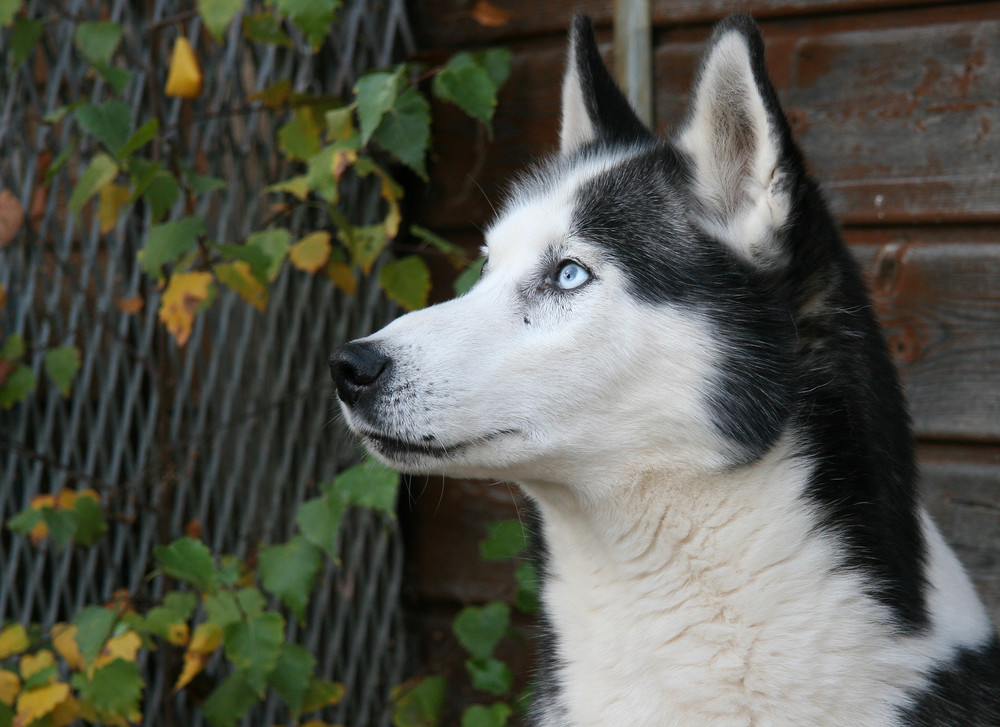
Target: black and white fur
[[672, 352]]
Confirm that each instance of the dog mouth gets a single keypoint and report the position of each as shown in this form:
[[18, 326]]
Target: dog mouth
[[429, 446]]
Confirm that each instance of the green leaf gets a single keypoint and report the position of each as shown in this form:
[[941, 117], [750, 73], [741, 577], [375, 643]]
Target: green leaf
[[90, 522], [101, 171], [364, 243], [468, 85], [230, 701], [13, 348], [6, 711], [289, 571], [419, 703], [93, 629], [526, 598], [61, 365], [176, 610], [319, 520], [61, 524], [24, 521], [23, 39], [19, 383], [313, 17], [299, 138], [217, 14], [298, 186], [240, 278], [340, 122], [190, 561], [117, 78], [142, 136], [321, 693], [108, 122], [480, 715], [490, 675], [60, 161], [8, 9], [497, 62], [41, 677], [273, 244], [98, 41], [161, 192], [169, 241], [480, 628], [227, 607], [370, 484], [254, 645], [265, 28], [453, 251], [505, 539], [292, 676], [405, 130], [114, 690], [201, 183], [469, 277], [407, 281], [376, 93]]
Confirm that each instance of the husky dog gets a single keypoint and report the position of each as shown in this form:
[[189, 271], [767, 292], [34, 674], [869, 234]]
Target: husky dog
[[672, 352]]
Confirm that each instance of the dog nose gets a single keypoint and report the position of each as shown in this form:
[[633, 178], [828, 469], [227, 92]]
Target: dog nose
[[356, 368]]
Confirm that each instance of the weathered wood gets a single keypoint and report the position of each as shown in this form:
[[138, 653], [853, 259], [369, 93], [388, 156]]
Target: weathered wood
[[452, 22], [964, 498], [939, 305], [899, 120]]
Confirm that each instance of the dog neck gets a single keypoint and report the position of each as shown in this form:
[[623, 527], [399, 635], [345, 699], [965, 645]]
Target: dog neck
[[708, 599]]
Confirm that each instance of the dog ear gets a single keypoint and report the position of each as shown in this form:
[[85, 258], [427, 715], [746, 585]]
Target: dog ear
[[593, 108], [739, 143]]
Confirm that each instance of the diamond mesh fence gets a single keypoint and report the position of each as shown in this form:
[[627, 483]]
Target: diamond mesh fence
[[230, 432]]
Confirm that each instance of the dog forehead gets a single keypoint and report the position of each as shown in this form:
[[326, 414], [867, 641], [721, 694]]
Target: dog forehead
[[540, 210]]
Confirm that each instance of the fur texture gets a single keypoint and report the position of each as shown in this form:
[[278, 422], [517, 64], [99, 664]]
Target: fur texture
[[672, 352]]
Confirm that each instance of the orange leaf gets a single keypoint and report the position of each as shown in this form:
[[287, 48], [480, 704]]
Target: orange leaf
[[10, 685], [35, 703], [184, 76], [181, 300], [11, 217], [3, 297], [130, 305], [66, 499], [13, 640], [489, 15], [311, 252], [64, 641]]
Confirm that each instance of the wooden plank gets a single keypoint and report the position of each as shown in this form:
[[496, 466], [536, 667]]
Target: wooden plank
[[939, 305], [453, 22], [964, 499], [899, 119]]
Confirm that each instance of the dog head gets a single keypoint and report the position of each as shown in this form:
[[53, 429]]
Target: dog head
[[632, 313]]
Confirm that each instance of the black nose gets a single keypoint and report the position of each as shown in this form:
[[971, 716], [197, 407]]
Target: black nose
[[356, 368]]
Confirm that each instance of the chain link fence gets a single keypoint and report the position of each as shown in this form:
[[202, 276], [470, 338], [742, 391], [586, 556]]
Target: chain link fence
[[228, 434]]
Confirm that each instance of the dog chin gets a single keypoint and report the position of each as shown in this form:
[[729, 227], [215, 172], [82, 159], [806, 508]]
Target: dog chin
[[429, 456]]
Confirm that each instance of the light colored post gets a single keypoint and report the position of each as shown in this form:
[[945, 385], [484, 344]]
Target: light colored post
[[634, 57]]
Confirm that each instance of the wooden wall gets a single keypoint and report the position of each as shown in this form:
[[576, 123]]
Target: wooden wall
[[897, 105]]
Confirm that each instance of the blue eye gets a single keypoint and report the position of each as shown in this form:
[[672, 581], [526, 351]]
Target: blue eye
[[571, 275]]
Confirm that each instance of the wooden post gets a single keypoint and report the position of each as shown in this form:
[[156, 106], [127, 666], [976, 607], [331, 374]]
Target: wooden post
[[633, 56]]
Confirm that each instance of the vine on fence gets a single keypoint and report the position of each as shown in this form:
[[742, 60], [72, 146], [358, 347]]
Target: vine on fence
[[226, 607]]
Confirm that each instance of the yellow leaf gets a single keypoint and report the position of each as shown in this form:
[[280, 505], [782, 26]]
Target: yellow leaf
[[10, 685], [311, 252], [64, 641], [193, 663], [40, 501], [31, 664], [124, 647], [237, 276], [112, 198], [184, 76], [316, 723], [181, 300], [341, 274], [35, 703], [13, 640], [66, 712], [206, 638], [178, 634], [341, 161], [66, 499]]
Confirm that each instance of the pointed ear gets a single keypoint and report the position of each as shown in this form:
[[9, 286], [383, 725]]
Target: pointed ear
[[593, 108], [739, 143]]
